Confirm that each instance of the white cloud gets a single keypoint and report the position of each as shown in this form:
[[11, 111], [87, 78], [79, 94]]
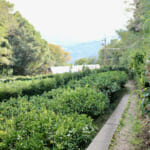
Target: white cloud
[[74, 20]]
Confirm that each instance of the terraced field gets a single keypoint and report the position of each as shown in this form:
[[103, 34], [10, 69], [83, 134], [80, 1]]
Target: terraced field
[[52, 114]]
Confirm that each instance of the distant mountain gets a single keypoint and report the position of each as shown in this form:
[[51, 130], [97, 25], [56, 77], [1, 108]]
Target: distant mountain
[[83, 50]]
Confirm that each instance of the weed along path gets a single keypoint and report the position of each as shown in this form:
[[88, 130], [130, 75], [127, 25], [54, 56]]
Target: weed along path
[[123, 137], [104, 137]]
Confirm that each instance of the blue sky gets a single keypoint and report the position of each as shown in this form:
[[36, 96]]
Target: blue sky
[[74, 21]]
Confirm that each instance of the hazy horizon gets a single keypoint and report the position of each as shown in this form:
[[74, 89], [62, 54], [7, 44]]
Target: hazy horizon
[[70, 22]]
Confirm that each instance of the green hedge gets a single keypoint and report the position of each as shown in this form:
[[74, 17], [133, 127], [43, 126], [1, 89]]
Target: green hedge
[[36, 87], [46, 130], [25, 78], [81, 100], [42, 123], [85, 72], [60, 118], [34, 123], [107, 82]]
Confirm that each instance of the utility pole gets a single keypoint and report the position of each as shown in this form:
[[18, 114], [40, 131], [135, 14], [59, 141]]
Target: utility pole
[[104, 42]]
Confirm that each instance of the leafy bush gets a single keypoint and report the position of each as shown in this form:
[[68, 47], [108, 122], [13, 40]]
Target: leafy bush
[[31, 124], [25, 78], [45, 130], [81, 100], [137, 62], [36, 87], [54, 93], [56, 119], [107, 82], [145, 102]]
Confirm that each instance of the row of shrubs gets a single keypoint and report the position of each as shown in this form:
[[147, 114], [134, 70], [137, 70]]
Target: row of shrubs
[[38, 86], [27, 78], [45, 130], [58, 119], [108, 82]]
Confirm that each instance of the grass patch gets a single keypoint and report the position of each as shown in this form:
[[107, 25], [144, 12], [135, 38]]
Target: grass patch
[[121, 123], [100, 121], [140, 134], [136, 129]]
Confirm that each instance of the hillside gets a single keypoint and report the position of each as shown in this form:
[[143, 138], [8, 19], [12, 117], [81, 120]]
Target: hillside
[[81, 50]]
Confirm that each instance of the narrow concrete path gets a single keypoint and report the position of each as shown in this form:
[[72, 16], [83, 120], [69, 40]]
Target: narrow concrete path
[[103, 138], [123, 138]]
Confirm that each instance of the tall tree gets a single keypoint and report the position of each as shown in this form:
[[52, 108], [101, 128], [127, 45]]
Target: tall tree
[[60, 57], [21, 46], [5, 17], [30, 52], [6, 21], [86, 61]]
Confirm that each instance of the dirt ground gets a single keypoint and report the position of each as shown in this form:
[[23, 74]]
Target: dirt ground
[[123, 137]]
